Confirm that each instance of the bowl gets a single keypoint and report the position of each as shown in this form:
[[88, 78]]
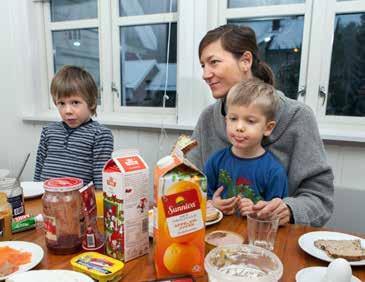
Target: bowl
[[242, 263], [222, 237]]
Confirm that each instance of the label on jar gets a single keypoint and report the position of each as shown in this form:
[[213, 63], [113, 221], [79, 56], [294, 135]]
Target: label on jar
[[17, 205], [50, 227], [2, 227]]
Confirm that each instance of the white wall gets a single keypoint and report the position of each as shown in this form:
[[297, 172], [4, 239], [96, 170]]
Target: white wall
[[19, 137]]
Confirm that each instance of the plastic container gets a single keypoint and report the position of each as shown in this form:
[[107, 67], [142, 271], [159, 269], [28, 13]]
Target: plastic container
[[14, 192], [5, 218], [100, 267], [63, 215], [242, 263]]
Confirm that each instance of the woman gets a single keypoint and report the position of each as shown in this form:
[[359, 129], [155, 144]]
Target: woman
[[229, 54]]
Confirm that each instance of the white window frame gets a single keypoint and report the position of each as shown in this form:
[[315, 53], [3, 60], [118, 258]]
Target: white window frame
[[340, 126], [192, 94]]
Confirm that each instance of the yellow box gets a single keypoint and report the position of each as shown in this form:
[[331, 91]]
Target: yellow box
[[99, 267]]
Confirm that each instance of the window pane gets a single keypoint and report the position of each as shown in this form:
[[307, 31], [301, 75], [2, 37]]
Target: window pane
[[145, 7], [280, 44], [143, 64], [68, 10], [254, 3], [347, 76], [79, 47]]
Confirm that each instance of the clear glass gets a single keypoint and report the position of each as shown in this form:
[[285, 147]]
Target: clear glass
[[79, 47], [144, 70], [262, 233], [69, 10], [280, 45], [146, 7], [254, 3], [346, 89], [63, 224]]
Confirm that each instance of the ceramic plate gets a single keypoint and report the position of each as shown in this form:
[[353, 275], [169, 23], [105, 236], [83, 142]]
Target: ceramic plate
[[50, 275], [34, 249], [220, 217], [306, 242], [316, 273], [32, 189]]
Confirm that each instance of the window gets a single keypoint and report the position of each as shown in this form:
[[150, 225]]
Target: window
[[134, 49]]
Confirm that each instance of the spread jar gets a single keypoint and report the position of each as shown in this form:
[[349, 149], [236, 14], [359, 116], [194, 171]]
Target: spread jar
[[63, 215], [5, 218]]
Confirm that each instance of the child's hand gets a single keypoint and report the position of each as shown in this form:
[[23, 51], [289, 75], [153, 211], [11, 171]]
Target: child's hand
[[227, 206], [245, 206]]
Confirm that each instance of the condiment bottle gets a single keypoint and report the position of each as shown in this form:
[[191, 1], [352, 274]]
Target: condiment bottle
[[63, 215], [5, 218], [11, 187]]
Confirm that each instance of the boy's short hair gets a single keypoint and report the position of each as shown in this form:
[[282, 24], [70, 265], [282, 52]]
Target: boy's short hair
[[73, 80], [254, 91]]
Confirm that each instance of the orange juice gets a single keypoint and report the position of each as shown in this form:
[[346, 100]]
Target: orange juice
[[99, 203], [180, 202]]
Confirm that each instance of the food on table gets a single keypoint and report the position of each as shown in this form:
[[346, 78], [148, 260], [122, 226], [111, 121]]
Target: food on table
[[223, 237], [63, 214], [212, 213], [11, 259], [245, 263], [347, 249], [5, 217]]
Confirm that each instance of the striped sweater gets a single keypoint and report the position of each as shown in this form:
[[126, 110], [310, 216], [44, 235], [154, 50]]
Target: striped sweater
[[74, 152]]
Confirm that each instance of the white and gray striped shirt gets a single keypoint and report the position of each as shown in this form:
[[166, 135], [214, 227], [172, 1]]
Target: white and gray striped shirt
[[73, 152]]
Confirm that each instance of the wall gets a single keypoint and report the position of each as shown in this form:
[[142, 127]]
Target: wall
[[19, 137]]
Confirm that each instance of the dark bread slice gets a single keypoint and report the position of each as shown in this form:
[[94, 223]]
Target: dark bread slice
[[348, 249]]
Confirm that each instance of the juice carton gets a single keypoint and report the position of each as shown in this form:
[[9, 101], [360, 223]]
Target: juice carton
[[180, 206], [125, 189]]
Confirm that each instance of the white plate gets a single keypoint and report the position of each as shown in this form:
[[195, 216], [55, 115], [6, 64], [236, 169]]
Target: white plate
[[315, 273], [32, 189], [50, 276], [34, 249], [306, 242], [220, 217]]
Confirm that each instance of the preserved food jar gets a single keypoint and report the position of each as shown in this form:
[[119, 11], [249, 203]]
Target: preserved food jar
[[5, 218], [11, 187], [63, 215]]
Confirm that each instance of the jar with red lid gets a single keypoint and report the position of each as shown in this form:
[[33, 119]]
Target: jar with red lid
[[63, 215]]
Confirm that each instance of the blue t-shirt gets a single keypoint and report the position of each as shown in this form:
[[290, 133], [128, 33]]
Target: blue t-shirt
[[257, 178]]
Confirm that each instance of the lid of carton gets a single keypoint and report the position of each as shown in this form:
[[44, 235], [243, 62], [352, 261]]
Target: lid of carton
[[126, 164]]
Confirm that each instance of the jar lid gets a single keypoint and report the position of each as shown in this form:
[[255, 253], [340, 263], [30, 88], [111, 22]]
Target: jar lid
[[63, 184]]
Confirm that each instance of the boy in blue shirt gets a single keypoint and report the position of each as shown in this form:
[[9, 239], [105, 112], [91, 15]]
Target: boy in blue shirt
[[245, 173], [77, 146]]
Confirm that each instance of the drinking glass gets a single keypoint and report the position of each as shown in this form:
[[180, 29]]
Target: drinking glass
[[262, 232]]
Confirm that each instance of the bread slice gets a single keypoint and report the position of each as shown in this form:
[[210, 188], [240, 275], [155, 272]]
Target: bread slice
[[212, 214], [348, 249]]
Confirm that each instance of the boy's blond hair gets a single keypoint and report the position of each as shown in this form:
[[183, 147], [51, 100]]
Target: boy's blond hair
[[73, 80], [256, 92]]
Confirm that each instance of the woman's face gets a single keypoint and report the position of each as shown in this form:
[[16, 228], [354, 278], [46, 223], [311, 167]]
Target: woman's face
[[221, 70]]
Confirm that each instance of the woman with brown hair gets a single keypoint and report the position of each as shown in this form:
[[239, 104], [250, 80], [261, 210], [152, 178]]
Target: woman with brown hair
[[229, 54]]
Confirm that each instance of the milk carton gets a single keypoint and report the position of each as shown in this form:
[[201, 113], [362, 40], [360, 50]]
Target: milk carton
[[180, 206], [125, 189]]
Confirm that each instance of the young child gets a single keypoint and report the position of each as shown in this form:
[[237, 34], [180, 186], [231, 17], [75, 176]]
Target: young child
[[244, 173], [77, 146]]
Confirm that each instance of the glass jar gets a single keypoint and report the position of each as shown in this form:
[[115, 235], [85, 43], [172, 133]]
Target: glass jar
[[5, 218], [63, 215], [11, 187]]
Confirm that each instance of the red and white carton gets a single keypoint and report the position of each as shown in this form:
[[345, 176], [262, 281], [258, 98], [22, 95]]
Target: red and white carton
[[125, 189]]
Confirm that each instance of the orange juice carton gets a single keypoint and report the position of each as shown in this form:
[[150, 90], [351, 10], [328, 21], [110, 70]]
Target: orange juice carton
[[180, 206], [125, 189]]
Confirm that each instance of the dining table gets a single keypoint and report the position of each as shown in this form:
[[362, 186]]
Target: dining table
[[286, 248]]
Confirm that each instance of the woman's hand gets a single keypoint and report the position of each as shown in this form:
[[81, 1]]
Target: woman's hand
[[245, 206], [275, 207], [227, 206]]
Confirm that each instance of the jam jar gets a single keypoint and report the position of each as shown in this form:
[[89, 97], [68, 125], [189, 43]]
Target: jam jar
[[63, 215]]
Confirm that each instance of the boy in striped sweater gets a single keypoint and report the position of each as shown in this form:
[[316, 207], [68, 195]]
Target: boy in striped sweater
[[77, 146]]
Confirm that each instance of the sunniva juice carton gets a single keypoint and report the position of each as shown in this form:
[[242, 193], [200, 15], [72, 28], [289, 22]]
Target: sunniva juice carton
[[125, 189], [180, 206]]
